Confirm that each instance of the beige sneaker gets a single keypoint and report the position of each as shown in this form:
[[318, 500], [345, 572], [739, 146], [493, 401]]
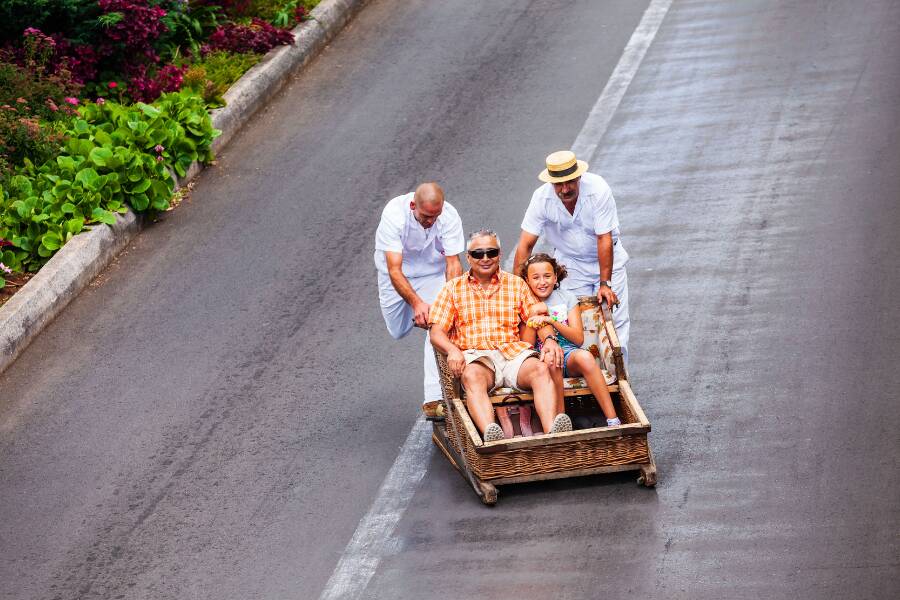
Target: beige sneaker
[[561, 423], [493, 432]]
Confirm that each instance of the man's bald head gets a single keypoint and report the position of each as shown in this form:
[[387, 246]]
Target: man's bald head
[[427, 204], [429, 195]]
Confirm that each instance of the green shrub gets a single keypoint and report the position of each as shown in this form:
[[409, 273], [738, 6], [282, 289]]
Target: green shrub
[[114, 155], [212, 76], [188, 25]]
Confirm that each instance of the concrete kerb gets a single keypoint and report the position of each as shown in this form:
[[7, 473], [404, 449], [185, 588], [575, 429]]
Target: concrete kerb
[[33, 307]]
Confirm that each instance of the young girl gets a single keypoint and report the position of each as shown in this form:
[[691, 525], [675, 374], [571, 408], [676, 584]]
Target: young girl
[[559, 308]]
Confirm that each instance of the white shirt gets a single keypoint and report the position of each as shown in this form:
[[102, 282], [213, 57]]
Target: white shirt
[[423, 250], [574, 236]]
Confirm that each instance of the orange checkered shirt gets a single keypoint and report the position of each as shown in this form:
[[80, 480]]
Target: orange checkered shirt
[[479, 319]]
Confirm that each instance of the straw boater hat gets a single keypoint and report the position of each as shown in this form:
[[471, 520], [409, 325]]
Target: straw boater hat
[[562, 166]]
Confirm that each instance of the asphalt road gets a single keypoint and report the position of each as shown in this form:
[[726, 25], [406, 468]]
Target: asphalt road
[[212, 418]]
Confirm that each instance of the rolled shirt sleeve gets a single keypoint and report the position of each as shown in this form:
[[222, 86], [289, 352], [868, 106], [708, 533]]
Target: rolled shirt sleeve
[[452, 237], [527, 300], [604, 210], [443, 312], [533, 222], [389, 235]]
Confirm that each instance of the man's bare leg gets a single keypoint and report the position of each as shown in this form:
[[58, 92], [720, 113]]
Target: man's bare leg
[[557, 374], [477, 379], [535, 375]]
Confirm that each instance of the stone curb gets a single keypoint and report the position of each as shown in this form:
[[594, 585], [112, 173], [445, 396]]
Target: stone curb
[[33, 307]]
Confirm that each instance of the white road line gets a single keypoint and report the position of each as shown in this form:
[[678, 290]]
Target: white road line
[[363, 553], [585, 144], [372, 535], [591, 133]]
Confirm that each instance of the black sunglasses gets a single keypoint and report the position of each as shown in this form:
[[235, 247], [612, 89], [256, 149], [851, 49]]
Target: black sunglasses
[[482, 252]]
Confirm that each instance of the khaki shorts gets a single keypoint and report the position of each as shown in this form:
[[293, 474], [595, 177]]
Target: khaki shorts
[[506, 370]]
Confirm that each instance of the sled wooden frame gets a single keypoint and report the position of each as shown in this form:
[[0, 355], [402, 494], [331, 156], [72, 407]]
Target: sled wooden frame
[[546, 456]]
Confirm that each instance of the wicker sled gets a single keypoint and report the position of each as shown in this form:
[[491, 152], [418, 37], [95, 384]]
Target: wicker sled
[[486, 465]]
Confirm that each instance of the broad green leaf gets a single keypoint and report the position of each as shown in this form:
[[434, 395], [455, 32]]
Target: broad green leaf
[[160, 203], [75, 225], [68, 208], [87, 177], [51, 241], [103, 216], [66, 162], [101, 137], [100, 156], [141, 186], [139, 202]]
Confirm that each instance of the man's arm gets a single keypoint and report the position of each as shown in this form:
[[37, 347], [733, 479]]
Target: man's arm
[[454, 267], [441, 341], [523, 250], [405, 289], [551, 353], [605, 258]]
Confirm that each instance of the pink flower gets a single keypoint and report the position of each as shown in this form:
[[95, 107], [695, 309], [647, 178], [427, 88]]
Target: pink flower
[[112, 85], [101, 101], [159, 148], [5, 269], [72, 101], [21, 100], [159, 159], [52, 105]]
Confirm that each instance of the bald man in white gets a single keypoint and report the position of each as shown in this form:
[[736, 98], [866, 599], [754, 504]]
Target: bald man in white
[[417, 248]]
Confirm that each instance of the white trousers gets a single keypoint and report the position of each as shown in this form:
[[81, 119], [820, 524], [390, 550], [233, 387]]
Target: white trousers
[[398, 316], [621, 319]]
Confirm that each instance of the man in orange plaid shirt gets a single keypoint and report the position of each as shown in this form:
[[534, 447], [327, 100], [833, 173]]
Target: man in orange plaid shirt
[[475, 322]]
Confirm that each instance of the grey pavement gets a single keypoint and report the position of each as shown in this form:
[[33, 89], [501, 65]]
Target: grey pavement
[[212, 418]]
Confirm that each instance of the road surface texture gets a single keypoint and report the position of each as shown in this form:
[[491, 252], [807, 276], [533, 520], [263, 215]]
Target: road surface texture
[[214, 416]]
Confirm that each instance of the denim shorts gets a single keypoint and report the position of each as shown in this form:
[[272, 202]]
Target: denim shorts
[[567, 350]]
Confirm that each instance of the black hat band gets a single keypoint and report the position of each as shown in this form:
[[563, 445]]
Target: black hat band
[[564, 172]]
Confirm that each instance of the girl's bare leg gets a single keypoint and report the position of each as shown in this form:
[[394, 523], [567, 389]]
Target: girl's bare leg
[[582, 362]]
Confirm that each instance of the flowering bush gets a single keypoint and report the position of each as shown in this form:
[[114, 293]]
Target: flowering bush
[[33, 109], [259, 36], [147, 87], [131, 27]]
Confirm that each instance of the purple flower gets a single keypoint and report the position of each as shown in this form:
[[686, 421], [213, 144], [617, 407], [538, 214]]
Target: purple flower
[[5, 269], [159, 148], [101, 101], [159, 159]]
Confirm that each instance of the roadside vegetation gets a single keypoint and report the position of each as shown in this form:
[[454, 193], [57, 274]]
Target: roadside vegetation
[[102, 100]]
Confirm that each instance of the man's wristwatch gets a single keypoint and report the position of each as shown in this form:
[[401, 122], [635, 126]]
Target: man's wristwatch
[[552, 336], [606, 282]]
